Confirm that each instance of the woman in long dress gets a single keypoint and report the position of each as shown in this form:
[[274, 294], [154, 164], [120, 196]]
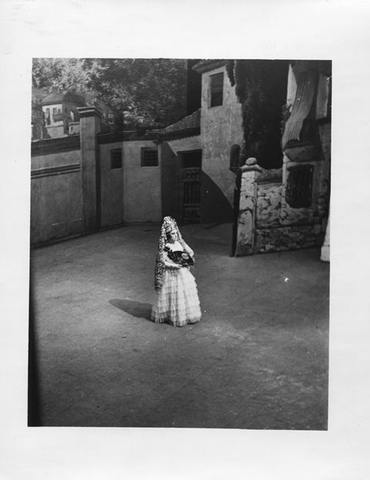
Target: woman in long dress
[[177, 294]]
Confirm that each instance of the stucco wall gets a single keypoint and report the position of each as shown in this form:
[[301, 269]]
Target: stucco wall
[[90, 126], [111, 187], [142, 185], [170, 182], [131, 194], [57, 159], [56, 196], [221, 128]]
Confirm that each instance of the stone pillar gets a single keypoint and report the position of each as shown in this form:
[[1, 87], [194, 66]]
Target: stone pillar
[[247, 208], [90, 126]]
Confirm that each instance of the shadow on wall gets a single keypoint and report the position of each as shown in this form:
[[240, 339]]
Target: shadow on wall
[[136, 309], [215, 208]]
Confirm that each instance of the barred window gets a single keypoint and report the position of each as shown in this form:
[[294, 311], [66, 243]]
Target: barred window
[[217, 88], [149, 157], [116, 158], [299, 186]]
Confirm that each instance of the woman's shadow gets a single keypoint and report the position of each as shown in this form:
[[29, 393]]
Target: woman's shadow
[[136, 309]]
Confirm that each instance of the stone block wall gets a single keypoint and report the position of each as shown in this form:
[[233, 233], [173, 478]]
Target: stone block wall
[[294, 237], [267, 223], [268, 204]]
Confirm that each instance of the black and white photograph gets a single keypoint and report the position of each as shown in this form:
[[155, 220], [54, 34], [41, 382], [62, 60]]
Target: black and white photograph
[[184, 250], [227, 162]]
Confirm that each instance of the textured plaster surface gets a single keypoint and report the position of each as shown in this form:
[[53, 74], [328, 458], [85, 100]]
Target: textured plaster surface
[[56, 201], [221, 128]]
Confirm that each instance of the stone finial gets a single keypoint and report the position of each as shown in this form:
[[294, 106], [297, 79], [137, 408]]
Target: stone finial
[[251, 165], [251, 161]]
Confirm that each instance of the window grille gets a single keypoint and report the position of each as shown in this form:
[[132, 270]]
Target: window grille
[[116, 158], [149, 157], [299, 186], [191, 184], [217, 87]]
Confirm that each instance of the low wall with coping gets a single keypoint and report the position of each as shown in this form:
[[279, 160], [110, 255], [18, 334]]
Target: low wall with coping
[[56, 194]]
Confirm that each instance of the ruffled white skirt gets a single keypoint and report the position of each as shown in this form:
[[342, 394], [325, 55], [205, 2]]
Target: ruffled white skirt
[[178, 301]]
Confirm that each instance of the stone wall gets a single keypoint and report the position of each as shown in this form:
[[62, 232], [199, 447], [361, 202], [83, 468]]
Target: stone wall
[[268, 204], [293, 214], [111, 186], [266, 222], [294, 237]]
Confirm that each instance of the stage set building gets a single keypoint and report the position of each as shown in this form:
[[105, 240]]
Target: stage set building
[[83, 180]]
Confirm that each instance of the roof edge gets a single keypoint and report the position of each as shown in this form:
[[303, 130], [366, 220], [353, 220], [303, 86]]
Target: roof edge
[[207, 65]]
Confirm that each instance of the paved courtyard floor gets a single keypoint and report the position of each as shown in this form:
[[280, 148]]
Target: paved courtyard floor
[[257, 360]]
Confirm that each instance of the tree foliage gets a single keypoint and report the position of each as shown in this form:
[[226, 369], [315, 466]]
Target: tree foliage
[[146, 92], [260, 86]]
